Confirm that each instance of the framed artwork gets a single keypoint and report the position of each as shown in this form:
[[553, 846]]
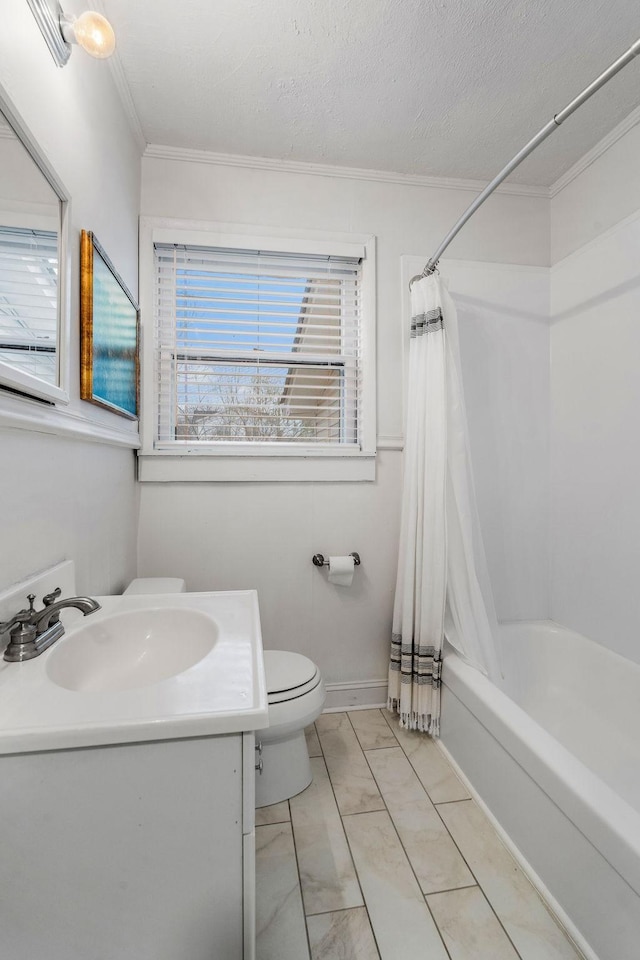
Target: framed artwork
[[109, 334]]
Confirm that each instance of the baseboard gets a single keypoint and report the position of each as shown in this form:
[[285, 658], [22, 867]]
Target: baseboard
[[355, 695], [561, 916]]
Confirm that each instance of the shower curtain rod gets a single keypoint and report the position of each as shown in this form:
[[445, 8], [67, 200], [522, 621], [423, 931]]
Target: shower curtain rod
[[545, 132]]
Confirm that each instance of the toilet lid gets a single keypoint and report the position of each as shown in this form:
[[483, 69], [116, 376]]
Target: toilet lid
[[286, 671]]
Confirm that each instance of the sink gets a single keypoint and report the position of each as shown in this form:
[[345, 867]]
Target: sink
[[141, 668], [132, 649]]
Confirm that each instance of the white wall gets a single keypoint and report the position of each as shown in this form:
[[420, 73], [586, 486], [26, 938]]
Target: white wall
[[263, 535], [65, 497]]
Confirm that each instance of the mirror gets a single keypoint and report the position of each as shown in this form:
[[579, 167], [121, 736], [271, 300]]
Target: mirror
[[32, 208]]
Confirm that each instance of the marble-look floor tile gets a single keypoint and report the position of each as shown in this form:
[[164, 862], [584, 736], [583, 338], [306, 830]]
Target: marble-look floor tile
[[436, 775], [354, 786], [435, 859], [280, 926], [342, 936], [402, 924], [313, 744], [530, 926], [372, 730], [469, 927], [275, 813], [327, 874]]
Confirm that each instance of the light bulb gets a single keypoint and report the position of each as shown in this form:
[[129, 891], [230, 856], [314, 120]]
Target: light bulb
[[95, 34]]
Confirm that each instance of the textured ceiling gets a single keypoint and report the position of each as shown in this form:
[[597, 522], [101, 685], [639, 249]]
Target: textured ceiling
[[447, 88]]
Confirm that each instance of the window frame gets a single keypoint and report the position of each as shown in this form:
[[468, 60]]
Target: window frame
[[255, 461], [38, 275]]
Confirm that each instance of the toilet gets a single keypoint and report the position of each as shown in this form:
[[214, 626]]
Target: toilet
[[296, 696]]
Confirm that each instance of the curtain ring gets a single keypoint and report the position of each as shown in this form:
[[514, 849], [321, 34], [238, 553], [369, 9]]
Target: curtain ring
[[421, 276]]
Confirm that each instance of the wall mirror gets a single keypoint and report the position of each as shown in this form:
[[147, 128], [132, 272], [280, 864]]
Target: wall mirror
[[33, 309]]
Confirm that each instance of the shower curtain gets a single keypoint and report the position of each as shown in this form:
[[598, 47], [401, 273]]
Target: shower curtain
[[442, 586]]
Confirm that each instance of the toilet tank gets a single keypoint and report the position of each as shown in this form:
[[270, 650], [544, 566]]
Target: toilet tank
[[147, 585]]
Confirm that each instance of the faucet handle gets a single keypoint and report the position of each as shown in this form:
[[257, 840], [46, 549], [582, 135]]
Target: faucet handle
[[22, 616], [51, 597]]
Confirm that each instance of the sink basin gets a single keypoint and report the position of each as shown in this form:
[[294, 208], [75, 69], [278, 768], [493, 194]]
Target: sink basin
[[142, 668], [131, 649]]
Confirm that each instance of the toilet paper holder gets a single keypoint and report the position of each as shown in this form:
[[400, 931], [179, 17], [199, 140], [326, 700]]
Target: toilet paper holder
[[320, 561]]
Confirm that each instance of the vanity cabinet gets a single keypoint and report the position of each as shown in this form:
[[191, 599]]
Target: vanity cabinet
[[139, 851], [127, 779]]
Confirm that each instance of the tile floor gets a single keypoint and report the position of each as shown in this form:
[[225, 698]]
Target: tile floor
[[385, 857]]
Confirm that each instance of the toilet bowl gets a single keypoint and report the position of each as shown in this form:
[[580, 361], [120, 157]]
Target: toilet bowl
[[296, 697]]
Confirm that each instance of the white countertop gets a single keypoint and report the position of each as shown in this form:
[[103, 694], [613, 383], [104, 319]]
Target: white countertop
[[223, 693]]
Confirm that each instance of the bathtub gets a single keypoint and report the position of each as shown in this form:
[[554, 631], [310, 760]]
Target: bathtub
[[554, 753]]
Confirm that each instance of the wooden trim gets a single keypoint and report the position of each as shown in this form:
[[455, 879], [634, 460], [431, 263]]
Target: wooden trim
[[86, 316], [89, 243]]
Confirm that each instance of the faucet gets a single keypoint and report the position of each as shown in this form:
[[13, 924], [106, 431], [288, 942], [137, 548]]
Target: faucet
[[32, 631]]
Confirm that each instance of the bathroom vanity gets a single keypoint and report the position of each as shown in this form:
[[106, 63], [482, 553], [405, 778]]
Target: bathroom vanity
[[143, 851], [128, 805]]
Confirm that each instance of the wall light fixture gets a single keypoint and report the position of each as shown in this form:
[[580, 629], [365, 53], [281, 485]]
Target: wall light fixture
[[90, 30]]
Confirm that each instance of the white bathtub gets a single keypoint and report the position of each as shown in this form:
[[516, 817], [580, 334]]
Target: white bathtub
[[555, 755]]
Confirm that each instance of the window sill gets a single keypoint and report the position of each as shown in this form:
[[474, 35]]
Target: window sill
[[172, 468], [25, 413]]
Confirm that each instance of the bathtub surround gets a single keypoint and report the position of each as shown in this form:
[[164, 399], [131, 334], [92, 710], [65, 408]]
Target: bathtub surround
[[595, 390], [503, 318], [567, 795], [564, 789], [558, 792]]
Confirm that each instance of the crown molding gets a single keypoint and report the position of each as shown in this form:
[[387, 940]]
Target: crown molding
[[126, 99], [161, 152], [592, 155], [124, 90]]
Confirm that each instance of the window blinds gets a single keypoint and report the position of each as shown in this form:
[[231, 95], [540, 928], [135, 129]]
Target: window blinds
[[29, 300], [255, 347]]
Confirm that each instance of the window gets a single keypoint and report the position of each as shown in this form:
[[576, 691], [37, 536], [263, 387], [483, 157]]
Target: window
[[29, 300], [259, 349]]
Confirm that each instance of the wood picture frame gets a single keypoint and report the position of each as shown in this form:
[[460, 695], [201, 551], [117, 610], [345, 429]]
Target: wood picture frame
[[109, 334]]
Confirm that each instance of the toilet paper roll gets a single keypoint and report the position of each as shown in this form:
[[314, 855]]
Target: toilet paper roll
[[341, 571]]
